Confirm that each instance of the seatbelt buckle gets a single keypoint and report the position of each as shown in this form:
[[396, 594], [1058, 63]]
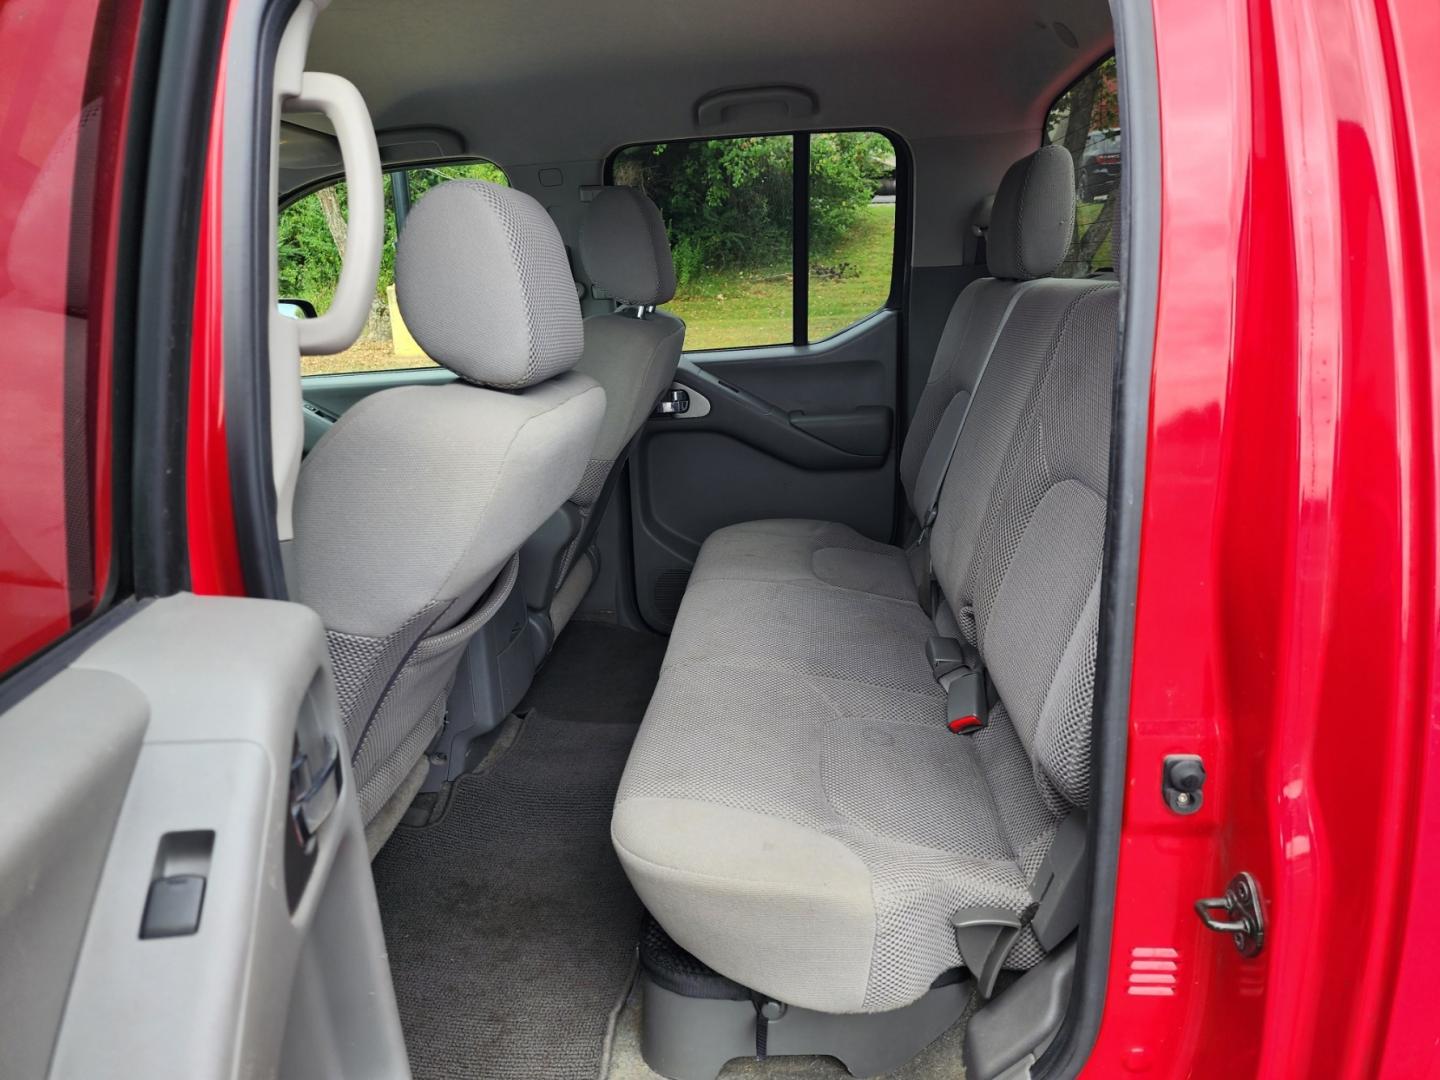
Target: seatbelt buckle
[[957, 668], [965, 710]]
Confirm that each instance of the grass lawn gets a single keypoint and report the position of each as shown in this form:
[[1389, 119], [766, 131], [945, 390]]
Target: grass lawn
[[362, 356], [752, 307], [1085, 215]]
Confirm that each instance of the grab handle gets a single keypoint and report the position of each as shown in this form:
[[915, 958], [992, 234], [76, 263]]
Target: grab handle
[[336, 330]]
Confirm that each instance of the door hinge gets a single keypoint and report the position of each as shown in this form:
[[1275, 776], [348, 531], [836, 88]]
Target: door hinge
[[1239, 913]]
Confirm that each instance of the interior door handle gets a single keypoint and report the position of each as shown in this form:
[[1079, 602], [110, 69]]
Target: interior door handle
[[314, 791], [674, 402]]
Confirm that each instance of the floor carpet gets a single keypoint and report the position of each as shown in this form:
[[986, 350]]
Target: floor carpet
[[598, 673], [510, 925]]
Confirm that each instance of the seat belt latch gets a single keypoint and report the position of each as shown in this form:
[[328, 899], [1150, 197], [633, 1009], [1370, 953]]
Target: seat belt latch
[[965, 702]]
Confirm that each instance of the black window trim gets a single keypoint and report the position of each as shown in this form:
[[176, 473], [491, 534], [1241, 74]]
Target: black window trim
[[800, 227]]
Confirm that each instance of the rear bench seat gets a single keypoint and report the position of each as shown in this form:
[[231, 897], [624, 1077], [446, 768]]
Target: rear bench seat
[[795, 812]]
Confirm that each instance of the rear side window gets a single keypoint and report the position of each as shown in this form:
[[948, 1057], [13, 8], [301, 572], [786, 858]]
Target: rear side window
[[764, 258], [1086, 121], [311, 239], [64, 87]]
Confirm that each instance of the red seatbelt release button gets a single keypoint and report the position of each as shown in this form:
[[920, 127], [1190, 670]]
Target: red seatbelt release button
[[962, 725]]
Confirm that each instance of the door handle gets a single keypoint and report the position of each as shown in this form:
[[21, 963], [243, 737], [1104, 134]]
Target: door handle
[[314, 791], [674, 402]]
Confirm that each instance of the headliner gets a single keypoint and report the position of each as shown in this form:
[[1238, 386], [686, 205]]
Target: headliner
[[531, 81]]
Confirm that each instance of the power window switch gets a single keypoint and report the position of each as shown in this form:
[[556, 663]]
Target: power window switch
[[172, 909]]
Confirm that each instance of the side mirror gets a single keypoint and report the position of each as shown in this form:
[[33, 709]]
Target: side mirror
[[295, 308]]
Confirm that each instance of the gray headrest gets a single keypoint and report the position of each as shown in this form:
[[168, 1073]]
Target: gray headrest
[[624, 248], [1033, 220], [483, 283]]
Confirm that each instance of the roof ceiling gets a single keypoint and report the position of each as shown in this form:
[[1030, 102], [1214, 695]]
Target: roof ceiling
[[527, 81]]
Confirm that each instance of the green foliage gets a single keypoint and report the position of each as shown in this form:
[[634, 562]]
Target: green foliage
[[845, 172], [729, 203], [309, 259]]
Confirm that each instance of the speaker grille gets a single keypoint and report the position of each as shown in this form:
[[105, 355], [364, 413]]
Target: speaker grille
[[670, 589]]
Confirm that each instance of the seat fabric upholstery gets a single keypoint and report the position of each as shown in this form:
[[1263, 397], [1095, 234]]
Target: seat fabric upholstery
[[795, 812], [410, 509], [631, 352]]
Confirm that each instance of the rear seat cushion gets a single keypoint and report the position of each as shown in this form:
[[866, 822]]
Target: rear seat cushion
[[851, 643], [814, 854], [798, 550], [793, 717]]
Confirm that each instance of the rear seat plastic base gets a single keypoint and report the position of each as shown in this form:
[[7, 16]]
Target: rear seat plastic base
[[1008, 1035], [698, 1020]]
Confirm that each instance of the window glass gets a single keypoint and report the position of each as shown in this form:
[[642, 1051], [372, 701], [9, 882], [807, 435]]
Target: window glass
[[64, 74], [312, 233], [1086, 121], [852, 228], [728, 206]]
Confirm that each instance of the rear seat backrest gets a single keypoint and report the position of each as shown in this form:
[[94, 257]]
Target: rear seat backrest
[[1031, 225], [1029, 597]]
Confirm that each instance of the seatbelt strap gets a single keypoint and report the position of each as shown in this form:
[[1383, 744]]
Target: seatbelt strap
[[941, 451]]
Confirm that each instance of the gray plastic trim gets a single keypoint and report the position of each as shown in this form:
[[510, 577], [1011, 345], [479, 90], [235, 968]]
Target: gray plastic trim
[[686, 1038], [228, 683], [343, 106], [1005, 1036], [66, 756]]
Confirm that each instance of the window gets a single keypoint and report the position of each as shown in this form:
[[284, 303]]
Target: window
[[1086, 121], [312, 243], [730, 210], [63, 96]]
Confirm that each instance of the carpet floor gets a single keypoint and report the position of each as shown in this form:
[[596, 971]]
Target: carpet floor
[[510, 925], [598, 673]]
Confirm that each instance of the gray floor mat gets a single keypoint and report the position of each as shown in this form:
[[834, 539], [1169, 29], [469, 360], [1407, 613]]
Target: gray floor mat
[[510, 925]]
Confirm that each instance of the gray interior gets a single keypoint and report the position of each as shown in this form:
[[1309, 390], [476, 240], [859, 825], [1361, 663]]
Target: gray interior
[[534, 85], [795, 763], [194, 708], [484, 557], [802, 431], [632, 352], [459, 474]]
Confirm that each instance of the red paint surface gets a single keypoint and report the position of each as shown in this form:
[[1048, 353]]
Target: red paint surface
[[1286, 612], [60, 188], [210, 515]]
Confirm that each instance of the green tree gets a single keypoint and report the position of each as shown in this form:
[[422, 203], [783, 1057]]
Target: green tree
[[312, 231], [728, 203]]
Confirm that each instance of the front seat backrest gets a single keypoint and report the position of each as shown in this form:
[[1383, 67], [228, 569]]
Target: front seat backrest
[[410, 510], [631, 352]]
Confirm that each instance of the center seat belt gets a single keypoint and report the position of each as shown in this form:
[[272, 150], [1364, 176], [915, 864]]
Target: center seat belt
[[939, 455]]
